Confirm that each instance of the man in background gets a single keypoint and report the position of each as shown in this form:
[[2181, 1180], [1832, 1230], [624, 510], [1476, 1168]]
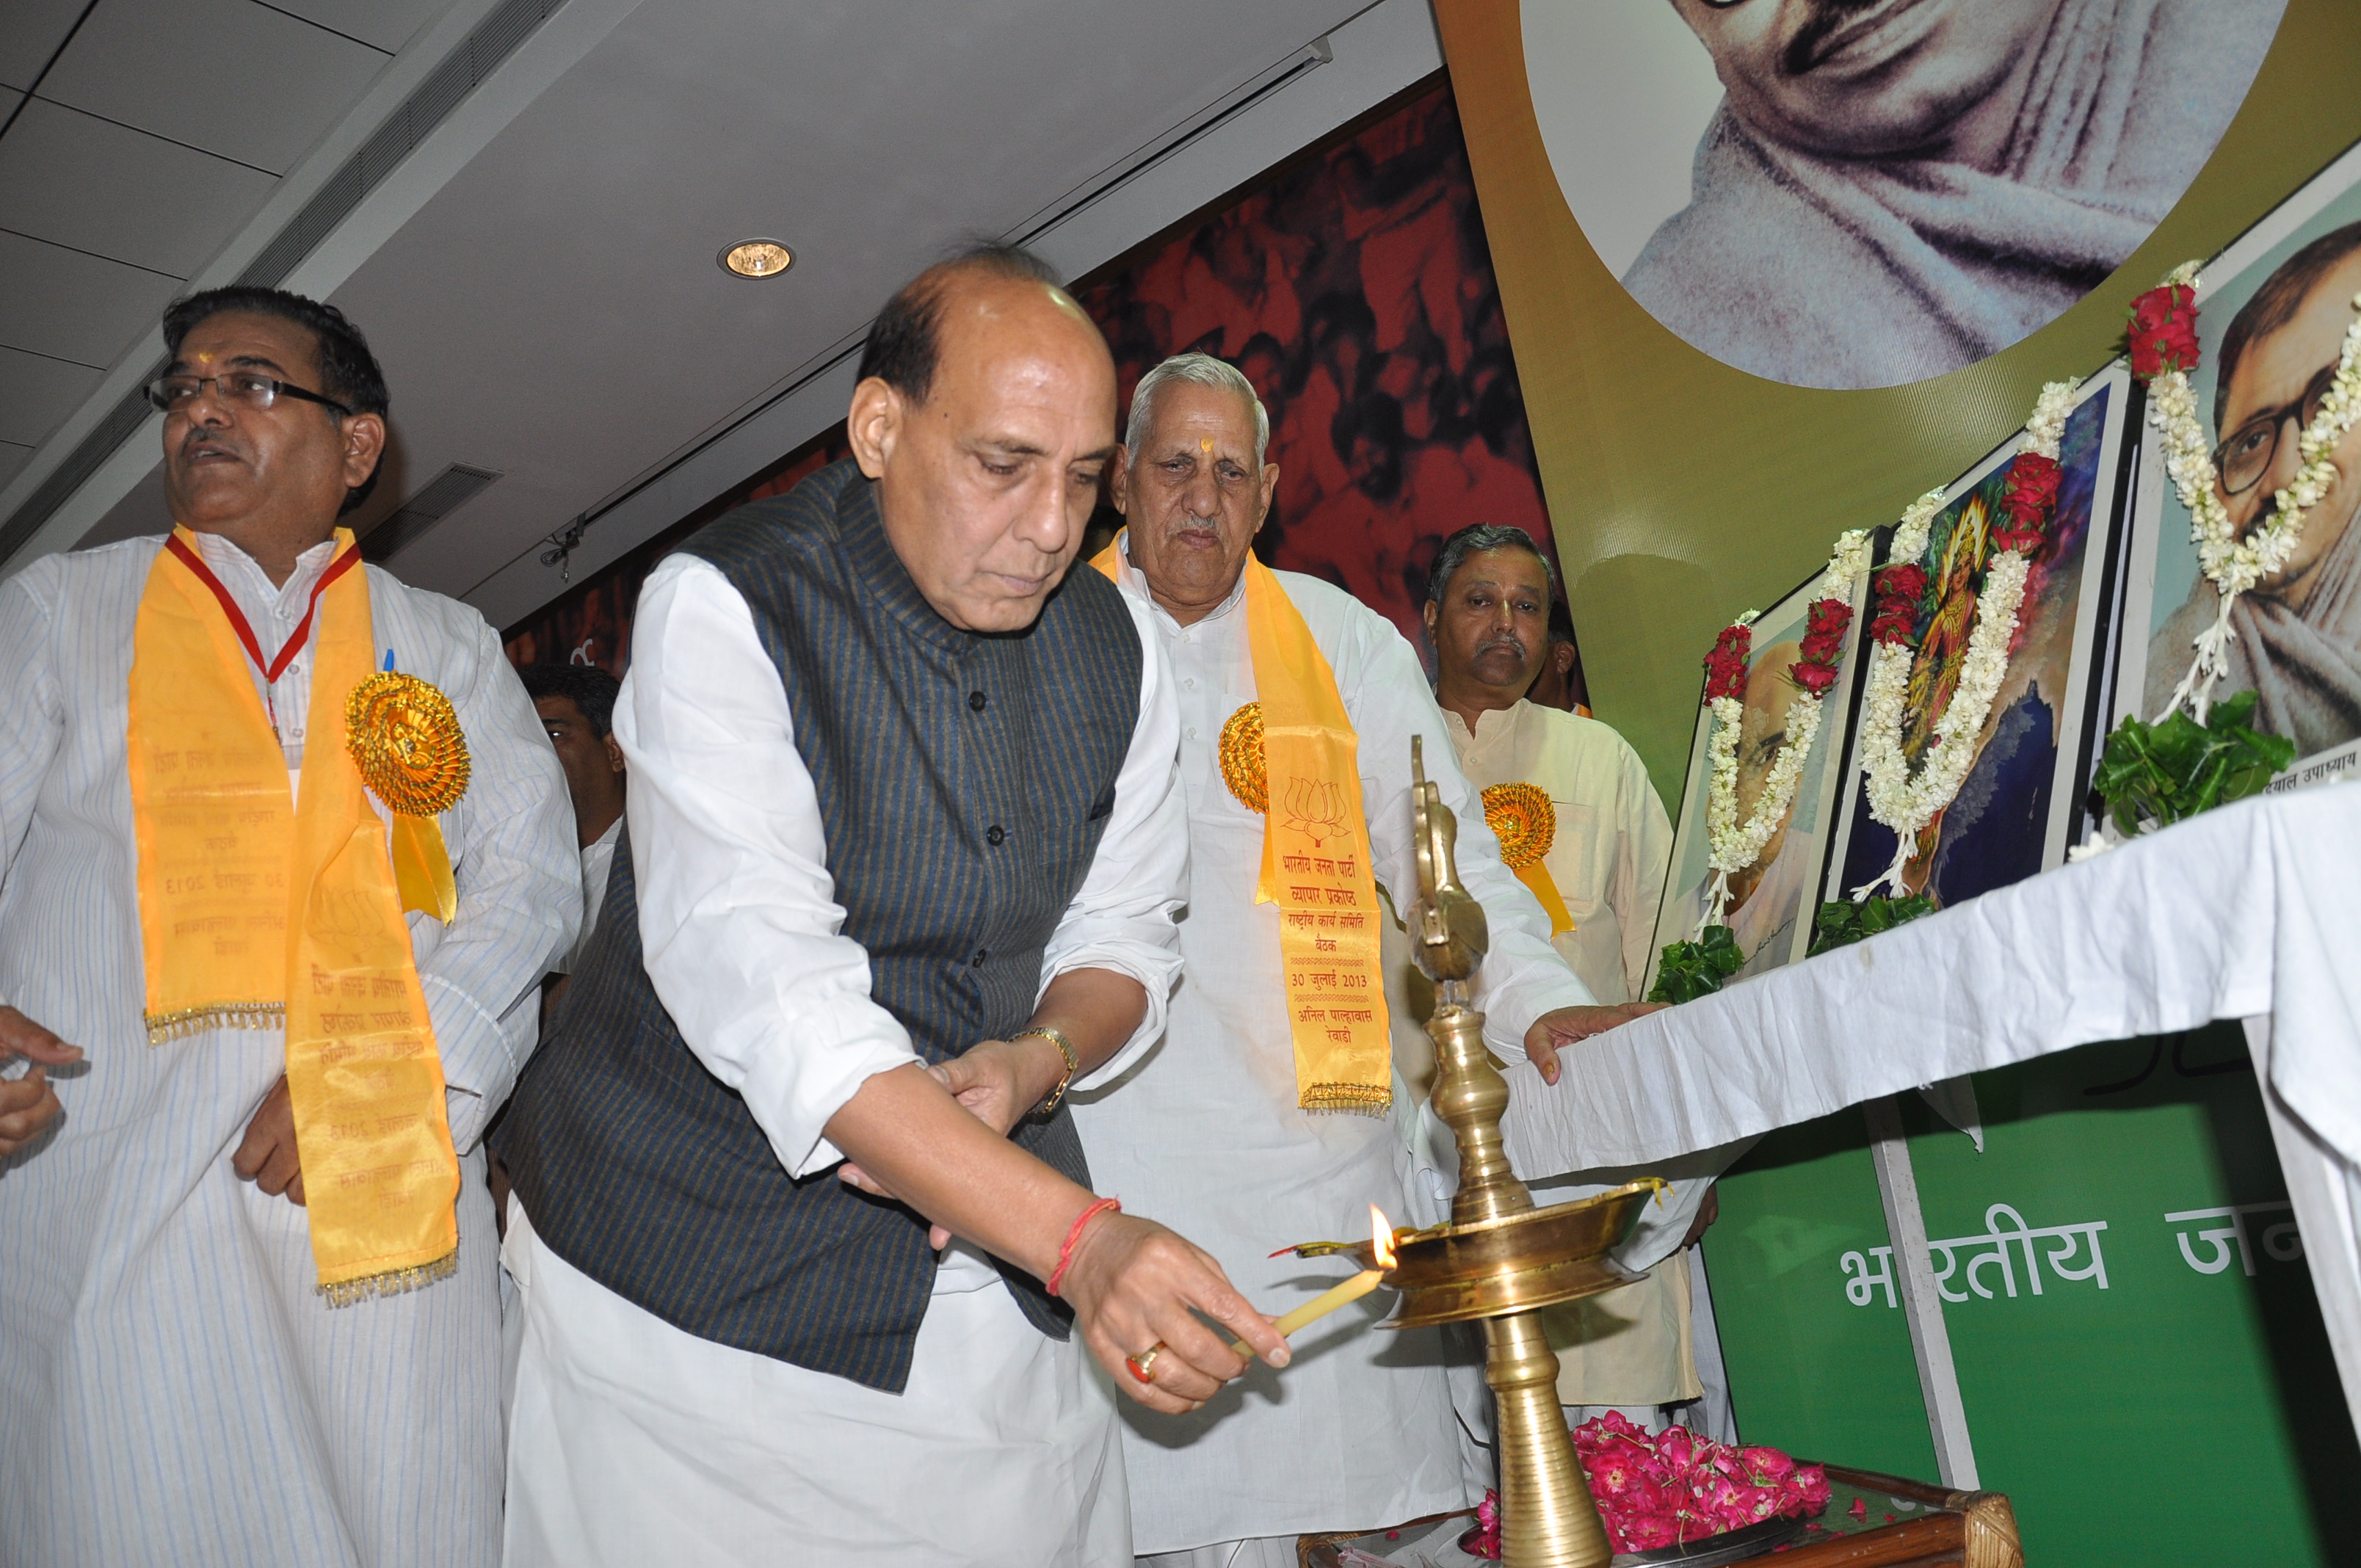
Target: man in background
[[576, 705], [1890, 192], [1574, 790], [1271, 1112], [1488, 613], [2296, 634]]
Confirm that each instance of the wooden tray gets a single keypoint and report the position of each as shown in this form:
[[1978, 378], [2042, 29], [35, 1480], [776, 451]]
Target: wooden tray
[[1973, 1529], [1956, 1530]]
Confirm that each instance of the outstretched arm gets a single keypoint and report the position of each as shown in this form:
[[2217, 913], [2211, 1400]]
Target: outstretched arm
[[1131, 1281]]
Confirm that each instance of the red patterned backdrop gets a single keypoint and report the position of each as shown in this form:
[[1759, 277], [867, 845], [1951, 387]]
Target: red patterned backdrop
[[1354, 288]]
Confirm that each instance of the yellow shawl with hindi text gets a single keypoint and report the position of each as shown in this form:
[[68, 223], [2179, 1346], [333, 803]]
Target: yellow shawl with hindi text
[[255, 909], [1315, 851]]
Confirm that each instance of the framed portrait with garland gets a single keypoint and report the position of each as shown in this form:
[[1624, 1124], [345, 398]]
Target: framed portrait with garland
[[1782, 805], [2267, 568], [1982, 703]]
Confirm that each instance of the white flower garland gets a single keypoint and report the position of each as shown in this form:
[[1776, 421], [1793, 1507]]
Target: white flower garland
[[2232, 564], [1901, 802], [1731, 849]]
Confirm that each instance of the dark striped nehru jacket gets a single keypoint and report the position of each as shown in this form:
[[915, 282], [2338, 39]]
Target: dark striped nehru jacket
[[963, 782]]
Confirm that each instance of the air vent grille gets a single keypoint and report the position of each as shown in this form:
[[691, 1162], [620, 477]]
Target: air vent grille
[[438, 498], [494, 40]]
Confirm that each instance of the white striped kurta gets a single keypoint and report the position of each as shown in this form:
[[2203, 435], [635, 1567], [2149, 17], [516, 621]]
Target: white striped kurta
[[171, 1390]]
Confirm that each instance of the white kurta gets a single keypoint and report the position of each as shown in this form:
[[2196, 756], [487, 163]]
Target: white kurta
[[171, 1389], [635, 1442], [1613, 839], [1631, 1346], [1206, 1136]]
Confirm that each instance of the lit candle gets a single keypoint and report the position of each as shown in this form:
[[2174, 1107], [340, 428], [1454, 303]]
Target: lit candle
[[1320, 1306], [1381, 1239]]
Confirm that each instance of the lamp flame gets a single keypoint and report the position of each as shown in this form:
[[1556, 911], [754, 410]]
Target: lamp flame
[[1381, 1237]]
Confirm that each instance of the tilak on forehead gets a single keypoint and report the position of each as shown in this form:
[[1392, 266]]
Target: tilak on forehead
[[1205, 445]]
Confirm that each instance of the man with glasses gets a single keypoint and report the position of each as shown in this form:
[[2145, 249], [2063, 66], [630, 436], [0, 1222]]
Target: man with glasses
[[283, 853], [2296, 635]]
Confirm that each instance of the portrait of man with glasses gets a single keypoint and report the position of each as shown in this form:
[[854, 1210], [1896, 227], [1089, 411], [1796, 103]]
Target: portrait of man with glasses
[[2297, 634]]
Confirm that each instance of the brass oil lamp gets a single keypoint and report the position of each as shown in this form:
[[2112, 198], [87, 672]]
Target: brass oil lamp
[[1500, 1259]]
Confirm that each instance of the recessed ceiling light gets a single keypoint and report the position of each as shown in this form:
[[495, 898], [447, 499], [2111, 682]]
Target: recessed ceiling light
[[756, 258]]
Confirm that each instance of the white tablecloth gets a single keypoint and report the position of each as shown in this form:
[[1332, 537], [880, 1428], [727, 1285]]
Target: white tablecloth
[[2252, 912]]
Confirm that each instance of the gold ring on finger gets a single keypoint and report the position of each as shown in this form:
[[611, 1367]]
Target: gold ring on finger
[[1142, 1365]]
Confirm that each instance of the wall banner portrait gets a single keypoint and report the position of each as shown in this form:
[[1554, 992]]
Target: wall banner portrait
[[2273, 311], [1759, 174], [2020, 805], [1773, 901]]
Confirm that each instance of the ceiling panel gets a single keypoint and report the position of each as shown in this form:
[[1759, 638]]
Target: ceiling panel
[[74, 179], [554, 313], [388, 24], [30, 31], [9, 98], [37, 393], [12, 457], [583, 240], [72, 306], [230, 76]]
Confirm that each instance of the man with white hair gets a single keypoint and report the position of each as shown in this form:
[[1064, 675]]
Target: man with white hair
[[1270, 1113]]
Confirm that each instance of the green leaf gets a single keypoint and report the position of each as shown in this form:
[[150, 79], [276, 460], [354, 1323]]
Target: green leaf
[[1842, 922], [1691, 969], [2169, 771]]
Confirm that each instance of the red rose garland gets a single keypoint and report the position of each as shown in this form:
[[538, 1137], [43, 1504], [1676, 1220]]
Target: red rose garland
[[2163, 333], [1824, 630], [1900, 797], [2162, 341], [1900, 589], [1724, 667], [2029, 495], [1732, 846]]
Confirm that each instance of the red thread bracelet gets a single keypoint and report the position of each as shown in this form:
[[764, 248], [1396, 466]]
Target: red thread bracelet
[[1066, 1253]]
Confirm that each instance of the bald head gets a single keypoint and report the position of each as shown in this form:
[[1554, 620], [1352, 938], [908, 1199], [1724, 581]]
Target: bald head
[[985, 412]]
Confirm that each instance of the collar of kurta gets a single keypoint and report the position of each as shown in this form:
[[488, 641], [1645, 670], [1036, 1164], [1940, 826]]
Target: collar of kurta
[[1315, 850]]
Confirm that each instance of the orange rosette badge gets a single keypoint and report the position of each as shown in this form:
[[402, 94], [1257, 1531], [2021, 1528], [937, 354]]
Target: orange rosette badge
[[404, 737], [1521, 817], [1243, 768]]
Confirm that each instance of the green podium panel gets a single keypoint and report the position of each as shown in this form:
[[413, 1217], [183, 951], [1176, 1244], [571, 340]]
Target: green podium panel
[[2138, 1350]]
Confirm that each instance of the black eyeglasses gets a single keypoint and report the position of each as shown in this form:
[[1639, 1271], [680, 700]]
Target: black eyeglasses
[[2246, 455], [247, 389]]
